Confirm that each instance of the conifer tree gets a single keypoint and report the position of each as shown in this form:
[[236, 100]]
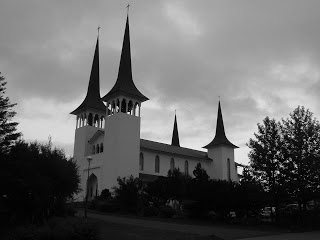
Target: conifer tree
[[8, 127]]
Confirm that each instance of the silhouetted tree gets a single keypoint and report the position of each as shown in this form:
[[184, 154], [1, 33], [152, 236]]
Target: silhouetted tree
[[129, 193], [8, 129], [37, 179], [267, 157], [200, 173], [301, 172]]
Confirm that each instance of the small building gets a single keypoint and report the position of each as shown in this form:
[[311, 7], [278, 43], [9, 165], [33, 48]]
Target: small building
[[108, 130]]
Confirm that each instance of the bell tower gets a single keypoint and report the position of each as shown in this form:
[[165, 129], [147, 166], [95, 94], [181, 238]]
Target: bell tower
[[221, 150], [90, 114], [122, 132]]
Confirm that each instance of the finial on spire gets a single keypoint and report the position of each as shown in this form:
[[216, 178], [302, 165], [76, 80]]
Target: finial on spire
[[219, 98], [98, 30], [128, 8]]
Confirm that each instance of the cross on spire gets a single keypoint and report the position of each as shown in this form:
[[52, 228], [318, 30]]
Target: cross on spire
[[128, 8]]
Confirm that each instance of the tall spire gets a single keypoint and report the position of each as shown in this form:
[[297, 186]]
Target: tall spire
[[220, 138], [92, 99], [175, 133], [124, 84]]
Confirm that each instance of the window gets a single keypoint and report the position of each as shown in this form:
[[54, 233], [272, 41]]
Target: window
[[97, 148], [186, 168], [101, 147], [172, 164], [228, 170], [141, 162], [157, 164], [93, 149]]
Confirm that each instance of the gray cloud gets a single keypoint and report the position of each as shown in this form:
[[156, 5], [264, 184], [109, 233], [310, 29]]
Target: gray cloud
[[261, 57]]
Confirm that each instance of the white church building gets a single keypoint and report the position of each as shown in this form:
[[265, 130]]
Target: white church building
[[108, 143]]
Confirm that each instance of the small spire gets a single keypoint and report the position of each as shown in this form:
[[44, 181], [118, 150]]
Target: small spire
[[220, 138], [92, 98], [175, 134]]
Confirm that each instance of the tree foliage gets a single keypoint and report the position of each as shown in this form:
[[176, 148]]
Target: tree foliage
[[8, 129], [37, 179], [285, 157]]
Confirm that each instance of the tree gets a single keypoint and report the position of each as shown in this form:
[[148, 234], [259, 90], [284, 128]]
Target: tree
[[301, 132], [8, 129], [37, 179], [266, 157], [129, 193], [200, 173]]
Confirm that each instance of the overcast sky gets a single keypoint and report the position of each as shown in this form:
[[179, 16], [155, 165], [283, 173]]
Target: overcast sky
[[261, 57]]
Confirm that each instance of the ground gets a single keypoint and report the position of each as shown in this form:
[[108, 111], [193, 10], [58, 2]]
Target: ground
[[130, 227]]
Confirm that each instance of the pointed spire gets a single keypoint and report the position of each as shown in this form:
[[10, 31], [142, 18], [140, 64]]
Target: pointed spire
[[220, 138], [92, 99], [124, 84], [175, 133]]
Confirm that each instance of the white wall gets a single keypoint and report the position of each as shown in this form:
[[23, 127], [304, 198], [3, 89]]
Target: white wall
[[149, 163], [220, 155], [121, 148]]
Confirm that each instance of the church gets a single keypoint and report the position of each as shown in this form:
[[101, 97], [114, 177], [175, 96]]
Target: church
[[107, 137]]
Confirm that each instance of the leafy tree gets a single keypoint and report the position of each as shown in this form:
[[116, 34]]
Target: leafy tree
[[37, 180], [266, 157], [129, 193], [301, 132], [8, 129], [200, 173], [177, 184]]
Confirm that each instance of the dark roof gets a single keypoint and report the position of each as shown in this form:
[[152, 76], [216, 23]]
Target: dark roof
[[166, 148], [96, 135], [124, 84], [93, 98], [148, 177], [220, 138], [175, 133]]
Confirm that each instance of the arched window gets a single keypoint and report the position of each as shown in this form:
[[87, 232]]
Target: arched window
[[141, 162], [96, 121], [118, 105], [98, 148], [228, 169], [130, 106], [157, 164], [172, 164], [124, 105], [101, 147], [186, 168], [90, 119], [93, 149]]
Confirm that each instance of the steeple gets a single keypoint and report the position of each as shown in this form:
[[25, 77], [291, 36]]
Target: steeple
[[93, 99], [175, 133], [124, 84], [220, 138]]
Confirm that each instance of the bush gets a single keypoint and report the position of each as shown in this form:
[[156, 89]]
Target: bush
[[150, 211], [108, 206], [167, 211]]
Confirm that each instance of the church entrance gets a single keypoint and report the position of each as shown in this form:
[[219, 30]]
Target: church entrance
[[92, 187]]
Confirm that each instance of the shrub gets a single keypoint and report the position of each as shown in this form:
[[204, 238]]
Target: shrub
[[150, 211], [108, 206], [167, 211]]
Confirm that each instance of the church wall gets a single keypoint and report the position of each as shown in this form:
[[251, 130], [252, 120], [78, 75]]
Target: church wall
[[121, 144], [220, 155], [165, 158]]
